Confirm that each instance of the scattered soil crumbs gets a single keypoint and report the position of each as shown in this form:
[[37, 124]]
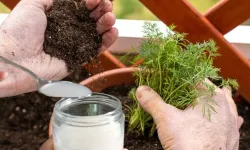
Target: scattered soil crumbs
[[24, 121], [71, 34]]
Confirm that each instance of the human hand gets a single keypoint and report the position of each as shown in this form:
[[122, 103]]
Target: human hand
[[22, 37], [188, 129]]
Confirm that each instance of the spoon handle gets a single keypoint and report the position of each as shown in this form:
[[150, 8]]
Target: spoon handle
[[20, 67]]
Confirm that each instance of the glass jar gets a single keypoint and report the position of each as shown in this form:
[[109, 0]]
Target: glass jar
[[90, 123]]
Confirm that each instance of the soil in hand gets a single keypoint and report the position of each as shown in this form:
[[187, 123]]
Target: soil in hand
[[71, 34]]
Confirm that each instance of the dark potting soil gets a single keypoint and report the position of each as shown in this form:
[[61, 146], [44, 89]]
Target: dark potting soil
[[244, 111], [71, 34], [24, 120]]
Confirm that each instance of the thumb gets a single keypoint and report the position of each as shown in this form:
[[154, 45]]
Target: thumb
[[152, 103], [3, 75], [240, 122], [48, 145]]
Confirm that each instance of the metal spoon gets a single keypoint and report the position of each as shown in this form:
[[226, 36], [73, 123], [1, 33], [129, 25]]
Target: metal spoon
[[54, 88]]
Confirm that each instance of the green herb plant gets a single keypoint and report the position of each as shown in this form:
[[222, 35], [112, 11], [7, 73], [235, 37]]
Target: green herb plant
[[174, 68]]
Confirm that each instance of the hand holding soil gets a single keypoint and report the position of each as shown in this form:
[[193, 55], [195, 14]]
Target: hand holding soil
[[188, 129], [22, 40]]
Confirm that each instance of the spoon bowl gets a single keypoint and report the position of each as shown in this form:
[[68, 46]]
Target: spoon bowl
[[64, 89]]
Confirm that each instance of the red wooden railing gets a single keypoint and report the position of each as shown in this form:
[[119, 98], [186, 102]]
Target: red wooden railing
[[10, 3]]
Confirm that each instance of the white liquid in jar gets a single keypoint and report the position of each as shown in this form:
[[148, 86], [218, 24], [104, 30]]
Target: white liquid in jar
[[105, 137]]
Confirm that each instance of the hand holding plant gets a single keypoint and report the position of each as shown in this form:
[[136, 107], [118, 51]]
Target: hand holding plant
[[188, 129], [175, 69]]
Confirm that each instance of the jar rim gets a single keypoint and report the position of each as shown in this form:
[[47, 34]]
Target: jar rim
[[103, 118]]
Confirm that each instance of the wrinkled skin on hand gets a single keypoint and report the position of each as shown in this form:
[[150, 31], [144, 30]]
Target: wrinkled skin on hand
[[22, 37], [188, 129]]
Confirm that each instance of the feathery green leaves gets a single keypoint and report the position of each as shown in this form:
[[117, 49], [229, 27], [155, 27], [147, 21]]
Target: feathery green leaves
[[174, 68]]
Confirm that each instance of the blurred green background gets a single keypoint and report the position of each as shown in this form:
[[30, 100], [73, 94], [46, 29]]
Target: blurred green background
[[133, 9], [3, 9]]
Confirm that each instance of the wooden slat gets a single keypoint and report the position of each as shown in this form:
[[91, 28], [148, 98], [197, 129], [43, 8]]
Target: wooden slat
[[10, 3], [189, 20], [228, 14]]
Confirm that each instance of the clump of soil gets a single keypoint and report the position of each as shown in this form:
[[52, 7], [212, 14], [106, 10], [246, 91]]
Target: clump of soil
[[71, 34]]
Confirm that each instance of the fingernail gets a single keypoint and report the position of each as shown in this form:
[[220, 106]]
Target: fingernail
[[240, 121], [3, 75], [140, 90], [144, 88]]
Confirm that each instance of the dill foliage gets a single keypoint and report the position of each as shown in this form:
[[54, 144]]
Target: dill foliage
[[174, 68]]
